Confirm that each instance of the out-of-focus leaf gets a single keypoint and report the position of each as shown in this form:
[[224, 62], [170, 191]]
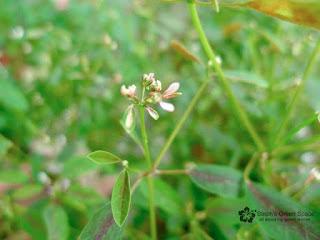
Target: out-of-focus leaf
[[102, 157], [263, 198], [27, 191], [302, 125], [198, 233], [166, 197], [11, 96], [183, 51], [223, 210], [77, 166], [247, 77], [56, 221], [297, 11], [13, 176], [121, 197], [221, 180], [224, 213], [32, 220], [101, 226], [4, 145]]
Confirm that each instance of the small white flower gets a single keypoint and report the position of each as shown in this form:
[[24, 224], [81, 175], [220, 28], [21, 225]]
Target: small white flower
[[128, 92], [153, 113], [167, 106]]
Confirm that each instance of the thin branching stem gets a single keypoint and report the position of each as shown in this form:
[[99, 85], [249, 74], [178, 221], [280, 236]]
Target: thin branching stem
[[225, 84], [299, 89]]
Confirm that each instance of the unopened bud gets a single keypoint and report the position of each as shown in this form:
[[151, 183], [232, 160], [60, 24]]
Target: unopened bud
[[125, 163], [128, 92], [148, 79], [44, 178]]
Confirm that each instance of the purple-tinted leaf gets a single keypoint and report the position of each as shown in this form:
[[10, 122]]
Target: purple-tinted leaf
[[101, 226], [223, 181], [264, 199]]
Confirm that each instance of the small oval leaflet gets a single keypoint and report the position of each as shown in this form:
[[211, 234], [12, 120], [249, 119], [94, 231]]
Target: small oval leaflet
[[220, 180], [121, 197], [102, 157]]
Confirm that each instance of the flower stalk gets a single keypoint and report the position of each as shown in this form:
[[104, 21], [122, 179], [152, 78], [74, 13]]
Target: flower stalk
[[300, 87], [152, 212], [242, 115]]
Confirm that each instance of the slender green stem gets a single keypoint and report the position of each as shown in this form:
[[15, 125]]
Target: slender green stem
[[305, 76], [152, 212], [225, 84], [180, 123], [311, 144]]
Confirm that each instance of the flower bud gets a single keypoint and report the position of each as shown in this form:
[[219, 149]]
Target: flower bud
[[156, 86], [128, 92], [148, 79]]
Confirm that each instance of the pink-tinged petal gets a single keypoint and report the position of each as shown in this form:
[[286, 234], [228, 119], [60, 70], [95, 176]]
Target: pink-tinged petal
[[174, 87], [167, 106], [153, 113]]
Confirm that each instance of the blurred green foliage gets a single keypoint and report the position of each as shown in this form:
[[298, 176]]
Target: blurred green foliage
[[60, 75]]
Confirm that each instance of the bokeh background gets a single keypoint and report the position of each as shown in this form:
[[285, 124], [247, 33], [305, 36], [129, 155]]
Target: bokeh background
[[61, 67]]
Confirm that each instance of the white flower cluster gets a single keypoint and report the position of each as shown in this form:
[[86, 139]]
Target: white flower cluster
[[151, 94]]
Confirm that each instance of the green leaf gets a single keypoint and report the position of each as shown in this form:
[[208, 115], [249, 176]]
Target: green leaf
[[28, 191], [11, 96], [247, 77], [266, 199], [222, 210], [5, 145], [102, 157], [223, 181], [56, 221], [77, 166], [166, 197], [13, 177], [121, 196], [101, 226]]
